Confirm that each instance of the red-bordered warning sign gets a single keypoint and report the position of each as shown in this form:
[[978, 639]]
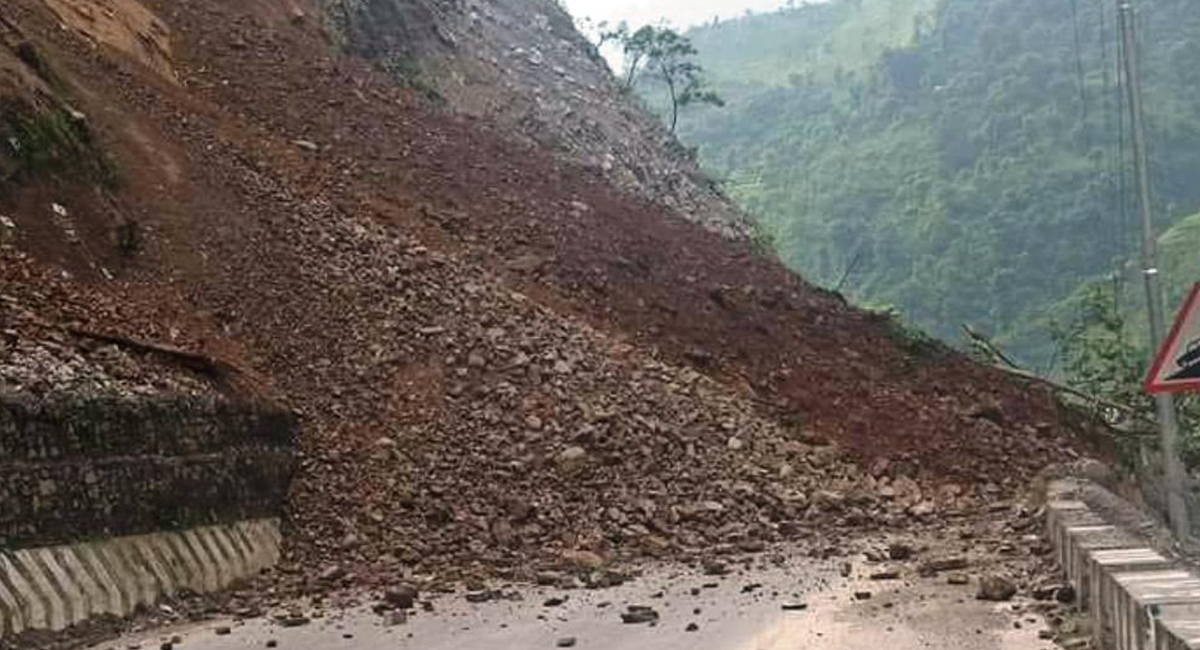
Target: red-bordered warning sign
[[1177, 366]]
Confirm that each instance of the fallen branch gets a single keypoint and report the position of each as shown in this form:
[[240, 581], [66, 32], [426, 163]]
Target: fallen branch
[[1129, 412], [986, 345], [194, 361]]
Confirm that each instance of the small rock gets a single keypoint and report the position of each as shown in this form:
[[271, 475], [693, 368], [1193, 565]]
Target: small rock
[[223, 630], [1065, 595], [403, 596], [996, 588], [714, 568], [566, 642], [482, 596], [331, 573], [900, 552], [691, 627], [794, 607], [638, 614], [941, 565], [572, 457], [583, 559]]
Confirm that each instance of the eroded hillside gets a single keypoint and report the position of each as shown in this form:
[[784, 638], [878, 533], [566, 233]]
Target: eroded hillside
[[524, 67], [495, 356]]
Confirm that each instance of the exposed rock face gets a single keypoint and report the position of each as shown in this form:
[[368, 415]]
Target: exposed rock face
[[523, 65]]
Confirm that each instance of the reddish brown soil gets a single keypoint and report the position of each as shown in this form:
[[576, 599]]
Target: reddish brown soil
[[238, 264], [257, 81]]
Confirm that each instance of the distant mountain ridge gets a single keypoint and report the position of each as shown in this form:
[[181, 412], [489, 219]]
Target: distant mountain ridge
[[957, 160]]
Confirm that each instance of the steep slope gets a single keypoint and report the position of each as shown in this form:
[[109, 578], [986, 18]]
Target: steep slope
[[523, 66], [962, 163], [495, 356]]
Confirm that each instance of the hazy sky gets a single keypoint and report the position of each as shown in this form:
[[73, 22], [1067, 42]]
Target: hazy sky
[[680, 13]]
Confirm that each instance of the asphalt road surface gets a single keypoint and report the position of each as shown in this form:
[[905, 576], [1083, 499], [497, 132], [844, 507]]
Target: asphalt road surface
[[743, 611]]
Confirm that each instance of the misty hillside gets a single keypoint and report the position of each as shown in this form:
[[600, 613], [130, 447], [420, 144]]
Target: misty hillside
[[964, 162]]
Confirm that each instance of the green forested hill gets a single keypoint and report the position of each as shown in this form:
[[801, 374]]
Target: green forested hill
[[960, 158]]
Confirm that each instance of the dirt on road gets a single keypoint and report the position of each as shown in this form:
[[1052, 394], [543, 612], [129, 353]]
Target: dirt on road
[[801, 603]]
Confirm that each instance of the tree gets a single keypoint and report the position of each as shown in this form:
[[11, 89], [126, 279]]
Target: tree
[[670, 56], [635, 47]]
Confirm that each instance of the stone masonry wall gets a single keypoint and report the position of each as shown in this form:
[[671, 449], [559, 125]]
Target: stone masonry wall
[[75, 468]]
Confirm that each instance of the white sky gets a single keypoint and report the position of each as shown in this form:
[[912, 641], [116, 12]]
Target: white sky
[[679, 13]]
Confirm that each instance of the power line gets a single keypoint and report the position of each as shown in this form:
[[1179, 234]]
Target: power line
[[1111, 109], [1123, 194], [1082, 79]]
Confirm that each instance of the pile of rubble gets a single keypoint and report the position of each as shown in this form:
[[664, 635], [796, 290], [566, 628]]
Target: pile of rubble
[[451, 423], [456, 426], [41, 355]]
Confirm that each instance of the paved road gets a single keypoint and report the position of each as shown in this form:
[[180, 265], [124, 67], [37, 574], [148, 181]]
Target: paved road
[[899, 615]]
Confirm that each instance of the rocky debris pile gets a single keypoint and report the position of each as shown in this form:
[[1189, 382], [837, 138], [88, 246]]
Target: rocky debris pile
[[38, 354], [455, 426], [535, 437], [569, 241]]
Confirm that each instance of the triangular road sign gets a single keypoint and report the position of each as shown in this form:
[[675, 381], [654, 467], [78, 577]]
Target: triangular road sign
[[1177, 366]]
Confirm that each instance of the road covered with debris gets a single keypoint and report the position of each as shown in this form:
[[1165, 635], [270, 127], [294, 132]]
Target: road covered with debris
[[798, 606], [979, 585]]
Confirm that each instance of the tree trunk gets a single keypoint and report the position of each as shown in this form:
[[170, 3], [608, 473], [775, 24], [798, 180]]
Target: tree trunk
[[674, 99], [632, 71]]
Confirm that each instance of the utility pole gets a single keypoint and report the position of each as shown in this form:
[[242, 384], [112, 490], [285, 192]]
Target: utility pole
[[1168, 421]]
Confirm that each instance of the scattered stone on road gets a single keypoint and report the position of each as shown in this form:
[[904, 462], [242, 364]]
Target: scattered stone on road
[[638, 614], [402, 596], [942, 565], [900, 552], [996, 588]]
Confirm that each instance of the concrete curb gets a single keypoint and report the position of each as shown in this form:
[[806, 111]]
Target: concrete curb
[[1138, 597], [52, 588]]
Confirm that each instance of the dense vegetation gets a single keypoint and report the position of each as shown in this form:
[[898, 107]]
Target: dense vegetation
[[958, 159]]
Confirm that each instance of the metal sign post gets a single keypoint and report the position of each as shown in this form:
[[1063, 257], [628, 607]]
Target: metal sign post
[[1165, 404]]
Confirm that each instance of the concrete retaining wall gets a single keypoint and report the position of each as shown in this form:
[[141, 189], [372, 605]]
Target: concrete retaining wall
[[55, 587], [110, 503], [1139, 597]]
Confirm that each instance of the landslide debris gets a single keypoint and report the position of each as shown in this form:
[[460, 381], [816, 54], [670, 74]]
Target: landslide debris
[[40, 356], [619, 399], [454, 425]]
